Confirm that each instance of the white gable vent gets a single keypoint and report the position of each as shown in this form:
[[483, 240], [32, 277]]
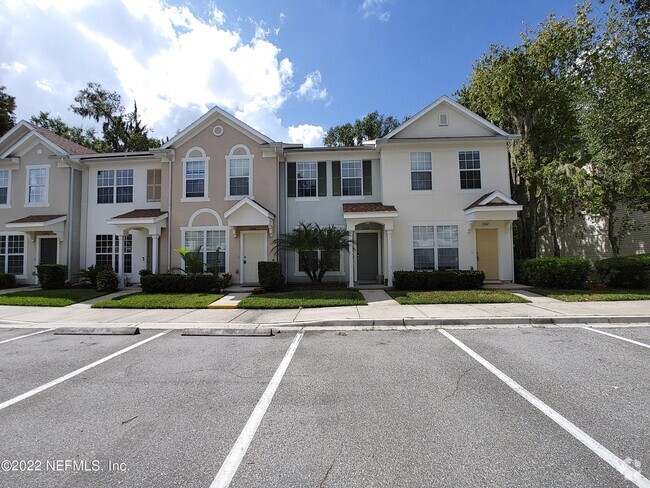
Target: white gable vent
[[443, 119]]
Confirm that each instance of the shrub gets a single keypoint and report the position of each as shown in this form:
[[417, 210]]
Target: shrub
[[107, 279], [270, 275], [625, 272], [89, 276], [178, 283], [438, 280], [7, 280], [226, 280], [52, 276], [145, 272], [564, 273]]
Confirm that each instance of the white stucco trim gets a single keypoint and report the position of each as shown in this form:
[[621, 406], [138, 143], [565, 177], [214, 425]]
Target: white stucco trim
[[205, 210], [206, 179], [250, 158], [9, 172], [207, 228]]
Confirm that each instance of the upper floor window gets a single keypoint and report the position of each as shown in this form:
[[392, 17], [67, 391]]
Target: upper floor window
[[115, 186], [470, 169], [37, 183], [421, 178], [307, 179], [195, 174], [351, 178], [4, 187], [154, 185], [239, 172]]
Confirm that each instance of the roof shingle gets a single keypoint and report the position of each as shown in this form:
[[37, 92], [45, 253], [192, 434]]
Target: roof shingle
[[367, 207]]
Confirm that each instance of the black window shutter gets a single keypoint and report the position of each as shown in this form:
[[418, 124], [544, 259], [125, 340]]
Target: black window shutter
[[367, 177], [322, 179], [291, 179], [336, 178]]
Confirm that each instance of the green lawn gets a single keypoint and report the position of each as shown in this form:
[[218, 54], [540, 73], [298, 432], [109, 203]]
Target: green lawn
[[49, 298], [161, 300], [304, 299], [595, 295], [455, 296]]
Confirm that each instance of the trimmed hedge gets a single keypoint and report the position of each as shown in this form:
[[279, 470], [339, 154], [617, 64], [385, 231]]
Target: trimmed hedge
[[438, 280], [270, 275], [7, 280], [52, 276], [178, 283], [625, 272], [107, 279], [563, 273]]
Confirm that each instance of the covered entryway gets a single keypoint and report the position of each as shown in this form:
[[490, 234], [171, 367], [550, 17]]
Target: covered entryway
[[48, 252], [487, 253], [367, 256], [254, 250]]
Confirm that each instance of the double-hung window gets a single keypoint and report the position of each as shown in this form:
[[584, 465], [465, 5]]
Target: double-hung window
[[239, 176], [211, 245], [4, 187], [195, 178], [37, 182], [12, 254], [334, 263], [435, 247], [421, 171], [107, 252], [154, 185], [351, 178], [115, 186], [307, 179], [470, 169]]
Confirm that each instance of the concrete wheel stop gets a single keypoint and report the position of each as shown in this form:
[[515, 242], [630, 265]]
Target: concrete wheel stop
[[260, 332], [97, 331]]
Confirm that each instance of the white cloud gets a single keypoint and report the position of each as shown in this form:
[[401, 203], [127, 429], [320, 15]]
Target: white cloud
[[309, 135], [375, 8], [311, 89], [175, 64]]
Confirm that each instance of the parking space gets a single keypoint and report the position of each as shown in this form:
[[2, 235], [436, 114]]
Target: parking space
[[639, 334], [11, 335], [374, 408]]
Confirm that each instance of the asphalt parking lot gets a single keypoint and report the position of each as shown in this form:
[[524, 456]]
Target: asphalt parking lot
[[562, 407]]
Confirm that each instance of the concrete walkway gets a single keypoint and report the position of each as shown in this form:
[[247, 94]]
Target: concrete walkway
[[230, 300], [378, 298]]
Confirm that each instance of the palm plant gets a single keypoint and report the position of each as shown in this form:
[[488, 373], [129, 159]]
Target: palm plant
[[307, 240], [193, 260]]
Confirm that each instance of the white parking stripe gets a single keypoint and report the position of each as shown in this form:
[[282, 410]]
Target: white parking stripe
[[238, 451], [605, 454], [55, 382], [28, 335], [642, 344]]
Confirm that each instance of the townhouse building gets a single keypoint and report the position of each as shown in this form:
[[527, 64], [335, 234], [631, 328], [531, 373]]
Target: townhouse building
[[432, 194]]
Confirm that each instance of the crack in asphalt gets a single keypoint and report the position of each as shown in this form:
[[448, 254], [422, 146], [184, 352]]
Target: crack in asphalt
[[460, 377]]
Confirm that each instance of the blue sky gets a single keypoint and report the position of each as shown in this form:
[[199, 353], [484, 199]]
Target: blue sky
[[289, 68]]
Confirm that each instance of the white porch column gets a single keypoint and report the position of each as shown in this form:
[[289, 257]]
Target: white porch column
[[389, 255], [120, 258], [154, 253], [351, 256]]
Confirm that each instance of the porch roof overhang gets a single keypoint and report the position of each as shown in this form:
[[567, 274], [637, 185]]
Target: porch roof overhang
[[248, 213], [39, 223], [359, 213], [153, 220], [492, 206]]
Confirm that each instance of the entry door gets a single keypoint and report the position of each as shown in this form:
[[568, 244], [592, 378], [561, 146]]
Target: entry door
[[487, 252], [254, 252], [367, 256], [48, 252]]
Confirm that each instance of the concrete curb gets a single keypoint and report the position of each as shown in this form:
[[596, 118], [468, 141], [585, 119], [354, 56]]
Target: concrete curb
[[104, 330]]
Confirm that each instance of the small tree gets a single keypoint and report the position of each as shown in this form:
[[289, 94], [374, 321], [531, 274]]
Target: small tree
[[307, 240]]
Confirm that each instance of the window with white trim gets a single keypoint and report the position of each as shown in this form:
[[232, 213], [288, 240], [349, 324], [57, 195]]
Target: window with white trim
[[351, 178], [195, 178], [115, 186], [421, 172], [107, 252], [435, 247], [239, 176], [4, 187], [37, 181], [154, 185], [212, 246], [470, 169], [12, 254], [307, 179], [334, 263]]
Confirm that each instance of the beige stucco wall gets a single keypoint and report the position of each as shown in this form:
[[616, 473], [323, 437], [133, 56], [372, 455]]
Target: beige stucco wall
[[264, 189]]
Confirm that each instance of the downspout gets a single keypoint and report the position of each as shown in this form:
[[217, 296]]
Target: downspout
[[169, 210], [70, 220]]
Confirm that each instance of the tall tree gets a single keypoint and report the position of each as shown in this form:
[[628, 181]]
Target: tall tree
[[86, 137], [7, 109], [531, 90], [123, 130], [370, 127]]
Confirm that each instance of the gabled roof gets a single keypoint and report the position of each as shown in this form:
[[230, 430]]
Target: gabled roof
[[67, 145], [23, 130], [445, 99], [493, 199], [39, 219], [252, 203], [368, 207], [214, 113]]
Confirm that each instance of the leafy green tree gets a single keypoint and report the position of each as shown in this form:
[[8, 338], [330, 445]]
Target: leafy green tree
[[307, 240], [370, 127], [531, 90], [7, 109], [85, 137], [122, 130]]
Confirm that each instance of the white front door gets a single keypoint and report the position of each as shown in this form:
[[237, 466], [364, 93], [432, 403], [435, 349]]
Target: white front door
[[254, 251]]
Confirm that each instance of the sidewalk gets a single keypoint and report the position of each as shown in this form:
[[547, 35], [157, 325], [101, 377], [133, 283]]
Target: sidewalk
[[379, 312]]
